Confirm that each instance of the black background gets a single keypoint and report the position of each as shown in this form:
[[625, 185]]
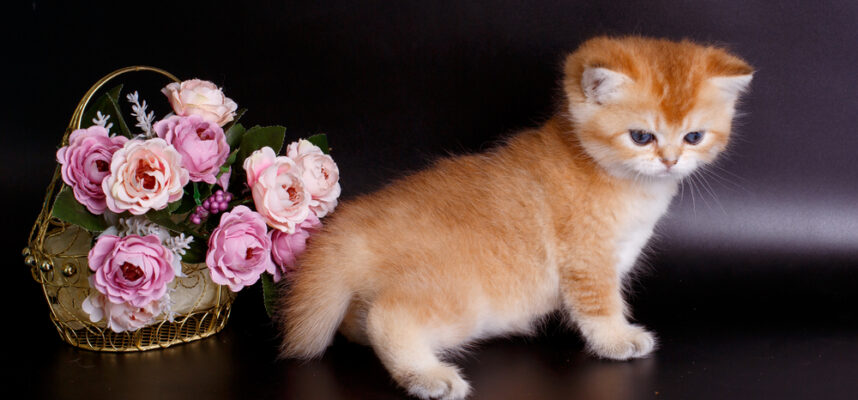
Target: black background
[[752, 282]]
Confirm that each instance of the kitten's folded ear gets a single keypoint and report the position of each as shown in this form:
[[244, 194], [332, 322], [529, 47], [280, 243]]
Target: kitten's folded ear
[[602, 85], [732, 86], [730, 74]]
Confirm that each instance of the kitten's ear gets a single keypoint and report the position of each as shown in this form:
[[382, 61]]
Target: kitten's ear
[[602, 85], [732, 86]]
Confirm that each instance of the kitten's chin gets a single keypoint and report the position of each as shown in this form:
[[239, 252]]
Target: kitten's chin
[[659, 176], [673, 175]]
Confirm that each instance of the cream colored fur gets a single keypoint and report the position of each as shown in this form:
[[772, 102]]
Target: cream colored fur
[[484, 245]]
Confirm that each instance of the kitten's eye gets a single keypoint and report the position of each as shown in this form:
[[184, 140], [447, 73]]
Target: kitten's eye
[[641, 137], [694, 137]]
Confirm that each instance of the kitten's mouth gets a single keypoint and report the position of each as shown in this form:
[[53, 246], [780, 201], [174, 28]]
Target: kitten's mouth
[[668, 173]]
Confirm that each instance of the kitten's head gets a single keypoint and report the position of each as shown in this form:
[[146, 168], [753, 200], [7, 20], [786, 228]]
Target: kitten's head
[[653, 108]]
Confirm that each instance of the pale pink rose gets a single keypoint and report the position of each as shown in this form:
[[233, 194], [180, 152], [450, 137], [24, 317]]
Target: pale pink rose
[[202, 145], [319, 173], [203, 98], [286, 247], [257, 162], [144, 175], [239, 249], [86, 162], [278, 192], [133, 269], [121, 317]]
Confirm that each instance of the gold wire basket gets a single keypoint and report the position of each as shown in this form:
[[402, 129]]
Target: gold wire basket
[[57, 256]]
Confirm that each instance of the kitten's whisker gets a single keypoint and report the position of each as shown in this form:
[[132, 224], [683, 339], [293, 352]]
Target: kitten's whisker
[[723, 180], [712, 191], [699, 191], [720, 179], [691, 191], [728, 172]]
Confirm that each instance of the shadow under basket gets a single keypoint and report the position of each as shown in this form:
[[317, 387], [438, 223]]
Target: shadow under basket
[[57, 256]]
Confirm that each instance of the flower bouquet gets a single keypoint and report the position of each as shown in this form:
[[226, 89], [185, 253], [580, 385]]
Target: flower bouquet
[[156, 227]]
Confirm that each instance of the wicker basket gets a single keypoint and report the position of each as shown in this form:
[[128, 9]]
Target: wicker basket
[[57, 256]]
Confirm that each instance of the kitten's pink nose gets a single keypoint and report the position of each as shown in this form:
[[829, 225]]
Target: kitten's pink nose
[[668, 162]]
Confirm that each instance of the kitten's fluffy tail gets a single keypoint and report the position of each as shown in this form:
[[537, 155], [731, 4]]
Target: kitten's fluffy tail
[[312, 307]]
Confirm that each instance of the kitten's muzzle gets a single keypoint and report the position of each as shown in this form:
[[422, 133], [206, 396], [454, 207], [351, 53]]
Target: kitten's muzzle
[[668, 162]]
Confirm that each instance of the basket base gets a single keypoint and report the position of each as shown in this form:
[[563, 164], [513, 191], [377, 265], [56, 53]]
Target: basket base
[[183, 329]]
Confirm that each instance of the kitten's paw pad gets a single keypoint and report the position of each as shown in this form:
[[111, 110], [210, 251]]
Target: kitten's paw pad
[[442, 382], [621, 342]]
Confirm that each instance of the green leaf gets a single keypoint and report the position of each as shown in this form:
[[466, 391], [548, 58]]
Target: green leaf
[[197, 195], [197, 252], [108, 104], [231, 160], [212, 222], [163, 218], [240, 201], [201, 192], [238, 115], [269, 293], [66, 208], [259, 137], [172, 207], [320, 140], [186, 205], [234, 135]]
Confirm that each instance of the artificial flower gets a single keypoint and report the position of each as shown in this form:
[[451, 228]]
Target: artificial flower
[[202, 98], [239, 249], [86, 162], [278, 192], [123, 316], [144, 175], [319, 173], [133, 269], [286, 247], [202, 145]]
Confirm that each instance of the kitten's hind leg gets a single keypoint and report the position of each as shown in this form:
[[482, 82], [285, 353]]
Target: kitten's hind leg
[[404, 348], [594, 301], [353, 326]]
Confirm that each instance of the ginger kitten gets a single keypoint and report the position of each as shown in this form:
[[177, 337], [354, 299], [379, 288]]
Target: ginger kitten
[[484, 245]]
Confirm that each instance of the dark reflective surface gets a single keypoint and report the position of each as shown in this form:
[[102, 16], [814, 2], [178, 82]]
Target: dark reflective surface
[[700, 362]]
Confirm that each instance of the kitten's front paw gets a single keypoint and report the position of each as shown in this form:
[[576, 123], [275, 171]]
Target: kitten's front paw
[[441, 382], [617, 339]]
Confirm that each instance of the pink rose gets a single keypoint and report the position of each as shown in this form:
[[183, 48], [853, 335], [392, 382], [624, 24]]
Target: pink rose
[[202, 98], [286, 247], [278, 192], [144, 175], [257, 162], [133, 269], [86, 162], [319, 173], [239, 249], [121, 317], [202, 145]]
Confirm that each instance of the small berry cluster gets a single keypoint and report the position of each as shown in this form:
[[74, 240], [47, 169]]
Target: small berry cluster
[[216, 203]]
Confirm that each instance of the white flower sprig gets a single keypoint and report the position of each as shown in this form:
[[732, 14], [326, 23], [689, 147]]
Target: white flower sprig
[[101, 120], [179, 244], [144, 120]]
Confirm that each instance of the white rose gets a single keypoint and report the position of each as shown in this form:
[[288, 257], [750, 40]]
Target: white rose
[[202, 98]]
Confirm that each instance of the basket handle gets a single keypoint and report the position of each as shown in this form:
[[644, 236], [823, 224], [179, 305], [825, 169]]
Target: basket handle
[[81, 106], [39, 230]]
